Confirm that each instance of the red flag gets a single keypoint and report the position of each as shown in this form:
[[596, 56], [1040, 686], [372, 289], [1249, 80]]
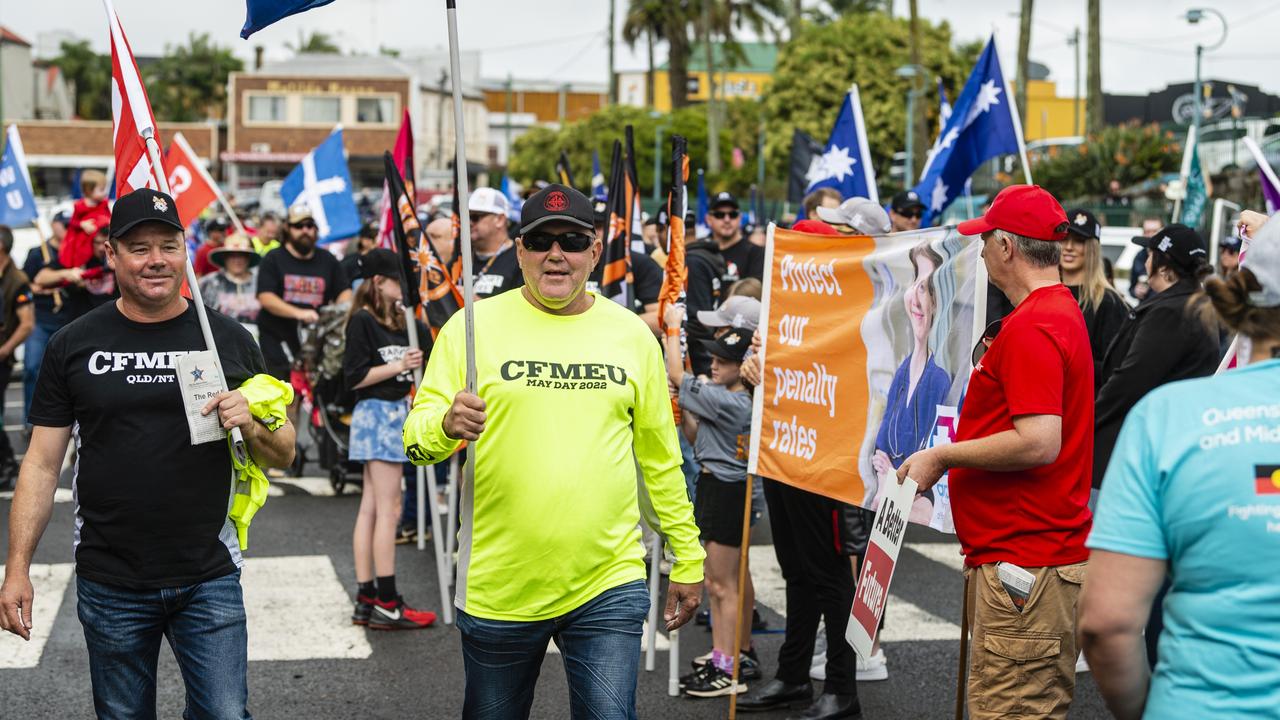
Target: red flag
[[402, 156], [131, 113], [189, 183]]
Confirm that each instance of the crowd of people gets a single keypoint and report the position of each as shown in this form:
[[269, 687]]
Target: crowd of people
[[1080, 405]]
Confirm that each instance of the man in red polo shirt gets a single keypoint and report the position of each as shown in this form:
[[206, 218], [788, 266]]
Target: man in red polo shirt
[[1020, 467]]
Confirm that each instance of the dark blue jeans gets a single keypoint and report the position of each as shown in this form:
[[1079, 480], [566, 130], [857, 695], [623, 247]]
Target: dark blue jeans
[[205, 625], [32, 355], [600, 643]]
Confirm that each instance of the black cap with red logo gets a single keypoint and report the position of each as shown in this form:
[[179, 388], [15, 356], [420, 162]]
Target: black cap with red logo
[[557, 202]]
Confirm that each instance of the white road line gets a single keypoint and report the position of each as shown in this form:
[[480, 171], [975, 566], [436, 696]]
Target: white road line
[[318, 486], [298, 610], [945, 553], [61, 495], [50, 584], [661, 644]]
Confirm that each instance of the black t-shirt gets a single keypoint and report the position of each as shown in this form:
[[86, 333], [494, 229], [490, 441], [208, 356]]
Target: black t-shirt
[[99, 289], [370, 344], [310, 283], [646, 275], [351, 266], [43, 302], [496, 274], [743, 260], [151, 508]]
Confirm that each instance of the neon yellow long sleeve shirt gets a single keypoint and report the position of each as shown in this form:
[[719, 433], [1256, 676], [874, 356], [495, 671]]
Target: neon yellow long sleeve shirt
[[573, 404]]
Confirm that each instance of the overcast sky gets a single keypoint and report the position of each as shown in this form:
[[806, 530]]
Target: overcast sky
[[1146, 43]]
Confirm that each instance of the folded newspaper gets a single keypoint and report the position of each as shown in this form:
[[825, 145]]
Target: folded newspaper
[[1017, 582]]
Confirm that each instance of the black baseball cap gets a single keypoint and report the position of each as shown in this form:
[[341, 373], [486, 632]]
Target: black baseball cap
[[731, 346], [1082, 223], [724, 198], [380, 261], [1181, 243], [144, 205], [906, 200], [1230, 242], [557, 202], [600, 213]]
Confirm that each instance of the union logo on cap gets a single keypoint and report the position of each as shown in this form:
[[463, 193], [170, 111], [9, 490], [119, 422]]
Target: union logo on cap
[[159, 203], [555, 201]]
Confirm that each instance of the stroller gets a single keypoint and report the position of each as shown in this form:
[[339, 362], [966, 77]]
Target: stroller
[[326, 402]]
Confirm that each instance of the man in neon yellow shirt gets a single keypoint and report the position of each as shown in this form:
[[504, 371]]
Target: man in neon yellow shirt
[[572, 395]]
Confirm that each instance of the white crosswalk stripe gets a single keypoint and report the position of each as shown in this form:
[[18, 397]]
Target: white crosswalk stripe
[[49, 583]]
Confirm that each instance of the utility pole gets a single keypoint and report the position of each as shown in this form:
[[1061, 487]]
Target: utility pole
[[1074, 41], [1024, 63], [1093, 117], [713, 124], [507, 141], [613, 79]]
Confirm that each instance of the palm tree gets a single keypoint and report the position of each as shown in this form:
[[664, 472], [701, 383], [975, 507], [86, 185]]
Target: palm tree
[[316, 43], [1093, 106], [648, 18]]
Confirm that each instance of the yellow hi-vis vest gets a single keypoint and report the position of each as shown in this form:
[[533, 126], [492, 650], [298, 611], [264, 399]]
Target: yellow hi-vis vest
[[268, 399]]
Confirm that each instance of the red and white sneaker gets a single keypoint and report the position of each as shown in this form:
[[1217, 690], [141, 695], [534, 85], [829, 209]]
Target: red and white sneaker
[[399, 616]]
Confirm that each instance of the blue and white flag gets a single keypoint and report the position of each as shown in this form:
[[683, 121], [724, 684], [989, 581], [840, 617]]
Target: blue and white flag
[[261, 13], [701, 229], [515, 203], [599, 190], [982, 125], [845, 165], [323, 183], [17, 202], [944, 108]]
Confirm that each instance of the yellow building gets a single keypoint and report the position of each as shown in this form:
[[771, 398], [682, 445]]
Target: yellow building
[[745, 79], [1051, 116]]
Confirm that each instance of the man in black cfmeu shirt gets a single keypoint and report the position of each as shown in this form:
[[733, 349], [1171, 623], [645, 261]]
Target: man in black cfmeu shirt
[[156, 554]]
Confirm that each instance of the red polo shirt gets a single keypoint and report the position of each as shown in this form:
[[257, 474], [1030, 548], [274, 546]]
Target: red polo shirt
[[1040, 363]]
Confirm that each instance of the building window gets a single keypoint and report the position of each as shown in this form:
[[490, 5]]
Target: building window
[[266, 108], [321, 109], [375, 110]]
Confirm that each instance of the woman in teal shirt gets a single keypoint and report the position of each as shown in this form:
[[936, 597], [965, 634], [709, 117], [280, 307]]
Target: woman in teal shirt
[[1193, 490]]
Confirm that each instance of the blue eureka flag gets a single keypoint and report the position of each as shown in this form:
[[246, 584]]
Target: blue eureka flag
[[701, 228], [261, 13], [323, 183], [845, 164], [17, 202], [599, 190], [982, 125]]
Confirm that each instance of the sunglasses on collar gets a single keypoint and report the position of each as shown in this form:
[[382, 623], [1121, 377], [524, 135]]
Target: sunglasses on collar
[[573, 242]]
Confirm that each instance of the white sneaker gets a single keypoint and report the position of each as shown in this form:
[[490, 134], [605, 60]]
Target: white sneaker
[[874, 668], [818, 668], [1082, 665]]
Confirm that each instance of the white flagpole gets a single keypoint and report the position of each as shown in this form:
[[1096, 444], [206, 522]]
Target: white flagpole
[[1185, 172], [1013, 111], [868, 172], [464, 236], [204, 175], [193, 283], [1263, 165]]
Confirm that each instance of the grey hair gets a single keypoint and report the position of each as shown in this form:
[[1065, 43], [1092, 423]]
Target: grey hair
[[1040, 253]]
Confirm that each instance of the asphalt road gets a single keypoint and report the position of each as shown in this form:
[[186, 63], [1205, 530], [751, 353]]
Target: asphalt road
[[306, 661]]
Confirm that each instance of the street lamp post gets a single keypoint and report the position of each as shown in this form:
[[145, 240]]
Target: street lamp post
[[1194, 16], [910, 72]]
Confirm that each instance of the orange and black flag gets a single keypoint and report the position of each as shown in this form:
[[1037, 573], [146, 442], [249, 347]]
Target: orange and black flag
[[1266, 479], [615, 261], [563, 171], [428, 287], [676, 273]]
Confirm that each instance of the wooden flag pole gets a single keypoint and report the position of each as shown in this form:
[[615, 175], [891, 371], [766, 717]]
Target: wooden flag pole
[[742, 597]]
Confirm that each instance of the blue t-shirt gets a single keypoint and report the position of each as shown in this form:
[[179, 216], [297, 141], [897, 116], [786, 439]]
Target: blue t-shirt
[[1195, 480]]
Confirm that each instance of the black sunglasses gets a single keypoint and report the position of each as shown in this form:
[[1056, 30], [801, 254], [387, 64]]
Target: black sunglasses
[[477, 218], [912, 214], [984, 343], [305, 225], [574, 242], [724, 214]]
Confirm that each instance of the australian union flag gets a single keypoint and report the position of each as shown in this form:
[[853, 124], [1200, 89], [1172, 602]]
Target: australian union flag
[[982, 125], [843, 165]]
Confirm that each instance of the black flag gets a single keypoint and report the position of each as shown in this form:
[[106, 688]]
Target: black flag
[[804, 149]]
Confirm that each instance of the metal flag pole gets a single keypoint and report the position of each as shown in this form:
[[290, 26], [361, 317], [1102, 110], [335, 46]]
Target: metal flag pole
[[153, 149]]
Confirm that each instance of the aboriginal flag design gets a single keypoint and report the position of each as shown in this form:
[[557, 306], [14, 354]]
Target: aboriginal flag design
[[1266, 479]]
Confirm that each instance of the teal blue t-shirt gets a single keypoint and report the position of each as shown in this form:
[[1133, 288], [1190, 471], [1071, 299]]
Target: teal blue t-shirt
[[1195, 480]]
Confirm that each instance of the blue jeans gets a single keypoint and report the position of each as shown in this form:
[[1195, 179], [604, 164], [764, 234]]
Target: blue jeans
[[205, 625], [32, 355], [600, 642]]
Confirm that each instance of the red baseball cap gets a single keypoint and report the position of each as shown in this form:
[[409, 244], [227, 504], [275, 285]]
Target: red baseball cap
[[1026, 210], [814, 227]]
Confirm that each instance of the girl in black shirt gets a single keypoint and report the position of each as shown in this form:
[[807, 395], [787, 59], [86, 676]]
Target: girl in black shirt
[[378, 366], [1082, 272]]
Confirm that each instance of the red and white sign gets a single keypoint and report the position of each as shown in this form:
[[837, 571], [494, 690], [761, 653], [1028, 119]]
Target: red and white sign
[[131, 114], [877, 567], [189, 182]]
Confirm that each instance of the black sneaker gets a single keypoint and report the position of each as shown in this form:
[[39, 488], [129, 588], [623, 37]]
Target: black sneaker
[[749, 666], [714, 682], [690, 678], [398, 616], [758, 624], [364, 606]]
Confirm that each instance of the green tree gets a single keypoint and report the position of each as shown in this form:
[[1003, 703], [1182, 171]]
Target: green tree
[[190, 81], [317, 43], [816, 69], [646, 18], [1130, 153], [91, 74]]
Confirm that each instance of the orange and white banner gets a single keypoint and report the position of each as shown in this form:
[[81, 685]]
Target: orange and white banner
[[867, 350], [189, 183]]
